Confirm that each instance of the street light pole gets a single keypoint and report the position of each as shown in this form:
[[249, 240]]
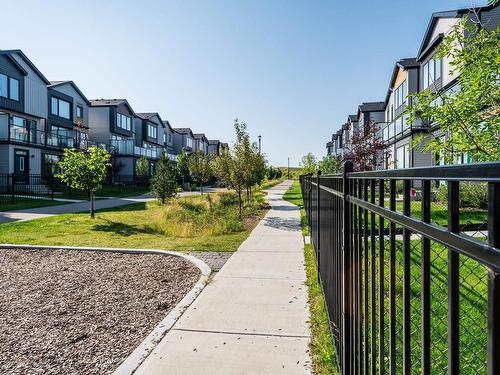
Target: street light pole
[[260, 137], [288, 167]]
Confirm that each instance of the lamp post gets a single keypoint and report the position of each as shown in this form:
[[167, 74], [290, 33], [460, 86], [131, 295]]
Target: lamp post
[[288, 167], [260, 137]]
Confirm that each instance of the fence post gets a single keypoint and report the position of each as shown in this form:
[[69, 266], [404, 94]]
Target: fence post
[[493, 281], [309, 201], [13, 187], [52, 187], [347, 312], [318, 217]]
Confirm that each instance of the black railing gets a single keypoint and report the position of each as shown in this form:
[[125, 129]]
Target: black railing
[[410, 275], [15, 189]]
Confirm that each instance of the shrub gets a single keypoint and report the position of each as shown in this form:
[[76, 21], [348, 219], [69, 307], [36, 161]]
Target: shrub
[[472, 195]]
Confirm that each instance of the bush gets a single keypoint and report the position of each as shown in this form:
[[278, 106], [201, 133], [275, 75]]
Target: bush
[[472, 195], [273, 173]]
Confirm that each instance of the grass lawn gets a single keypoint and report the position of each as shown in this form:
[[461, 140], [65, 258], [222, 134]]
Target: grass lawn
[[322, 350], [184, 224], [22, 204]]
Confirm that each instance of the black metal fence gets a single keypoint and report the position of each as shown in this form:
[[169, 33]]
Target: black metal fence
[[14, 189], [410, 275]]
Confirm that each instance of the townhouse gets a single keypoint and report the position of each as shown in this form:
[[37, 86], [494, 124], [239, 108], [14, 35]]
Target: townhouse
[[200, 143], [183, 140], [215, 147], [409, 76]]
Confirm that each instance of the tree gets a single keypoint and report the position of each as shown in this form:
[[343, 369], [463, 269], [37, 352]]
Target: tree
[[469, 116], [183, 166], [142, 168], [164, 181], [329, 164], [366, 150], [85, 170], [309, 164], [200, 168]]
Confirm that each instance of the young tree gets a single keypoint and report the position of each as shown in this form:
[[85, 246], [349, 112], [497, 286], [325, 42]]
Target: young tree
[[142, 168], [468, 117], [329, 164], [309, 164], [366, 150], [200, 168], [85, 170], [164, 181], [183, 167], [222, 166]]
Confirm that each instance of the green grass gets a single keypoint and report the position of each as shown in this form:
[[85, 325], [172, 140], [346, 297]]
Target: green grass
[[321, 346], [143, 225], [22, 204]]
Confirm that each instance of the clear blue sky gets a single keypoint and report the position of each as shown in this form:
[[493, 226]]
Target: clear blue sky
[[292, 70]]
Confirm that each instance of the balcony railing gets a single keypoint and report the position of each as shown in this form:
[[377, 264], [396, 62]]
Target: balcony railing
[[39, 138], [127, 147]]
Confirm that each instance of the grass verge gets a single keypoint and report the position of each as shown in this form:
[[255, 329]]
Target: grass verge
[[23, 204], [322, 350], [184, 224]]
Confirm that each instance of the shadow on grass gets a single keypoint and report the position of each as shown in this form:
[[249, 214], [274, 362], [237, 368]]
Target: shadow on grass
[[121, 228]]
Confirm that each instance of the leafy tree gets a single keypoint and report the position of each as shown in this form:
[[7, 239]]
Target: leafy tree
[[273, 173], [183, 166], [85, 170], [366, 150], [329, 164], [142, 168], [200, 168], [222, 166], [164, 181], [468, 117], [309, 164]]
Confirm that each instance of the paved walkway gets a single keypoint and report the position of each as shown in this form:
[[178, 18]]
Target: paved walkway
[[82, 206], [252, 317]]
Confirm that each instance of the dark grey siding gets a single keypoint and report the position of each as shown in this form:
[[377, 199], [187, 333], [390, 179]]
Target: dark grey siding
[[8, 68], [54, 119]]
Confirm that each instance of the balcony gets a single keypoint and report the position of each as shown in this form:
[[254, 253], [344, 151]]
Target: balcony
[[127, 147], [38, 138]]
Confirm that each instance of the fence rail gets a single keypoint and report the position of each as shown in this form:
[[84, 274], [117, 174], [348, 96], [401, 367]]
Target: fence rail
[[14, 189], [411, 279]]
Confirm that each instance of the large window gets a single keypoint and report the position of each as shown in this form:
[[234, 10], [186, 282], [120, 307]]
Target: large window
[[403, 157], [9, 87], [189, 142], [431, 72], [400, 95], [152, 131], [59, 107], [123, 122]]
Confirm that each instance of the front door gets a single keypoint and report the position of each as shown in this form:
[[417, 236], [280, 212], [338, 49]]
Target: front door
[[21, 167]]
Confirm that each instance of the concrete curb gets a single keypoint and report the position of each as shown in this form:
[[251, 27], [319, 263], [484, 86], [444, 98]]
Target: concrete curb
[[134, 360]]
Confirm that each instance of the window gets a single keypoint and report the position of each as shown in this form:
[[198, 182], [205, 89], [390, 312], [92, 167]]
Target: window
[[164, 138], [9, 87], [14, 89], [4, 90], [432, 71], [50, 164], [123, 122], [189, 142], [400, 95], [403, 157], [19, 129], [59, 107], [152, 131], [79, 111]]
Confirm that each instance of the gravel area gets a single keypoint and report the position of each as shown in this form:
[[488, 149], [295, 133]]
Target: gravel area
[[215, 260], [80, 312]]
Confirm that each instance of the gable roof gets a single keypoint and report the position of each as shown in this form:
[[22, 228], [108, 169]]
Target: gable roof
[[213, 141], [61, 83], [200, 136], [352, 118], [425, 46], [329, 144], [167, 124], [405, 64], [372, 107], [183, 131], [110, 103], [149, 116], [27, 61]]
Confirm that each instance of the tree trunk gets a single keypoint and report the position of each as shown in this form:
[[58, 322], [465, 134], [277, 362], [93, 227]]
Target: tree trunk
[[201, 189], [92, 214], [239, 203]]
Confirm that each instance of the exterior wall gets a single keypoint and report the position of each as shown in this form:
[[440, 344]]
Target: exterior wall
[[8, 68], [126, 165], [139, 132], [35, 91], [178, 142], [420, 158], [99, 124], [5, 159], [68, 89], [170, 140]]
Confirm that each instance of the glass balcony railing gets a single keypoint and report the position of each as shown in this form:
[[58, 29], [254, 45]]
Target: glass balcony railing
[[127, 147]]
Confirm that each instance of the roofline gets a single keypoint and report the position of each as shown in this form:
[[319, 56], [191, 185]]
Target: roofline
[[168, 124], [153, 113], [74, 86], [394, 73], [115, 105], [28, 61]]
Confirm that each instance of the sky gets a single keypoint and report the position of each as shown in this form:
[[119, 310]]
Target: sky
[[291, 70]]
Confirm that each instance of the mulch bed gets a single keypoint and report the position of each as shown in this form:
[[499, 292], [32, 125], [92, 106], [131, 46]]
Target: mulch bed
[[80, 312]]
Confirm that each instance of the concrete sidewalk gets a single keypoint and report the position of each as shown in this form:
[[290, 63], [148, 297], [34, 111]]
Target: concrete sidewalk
[[253, 317]]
